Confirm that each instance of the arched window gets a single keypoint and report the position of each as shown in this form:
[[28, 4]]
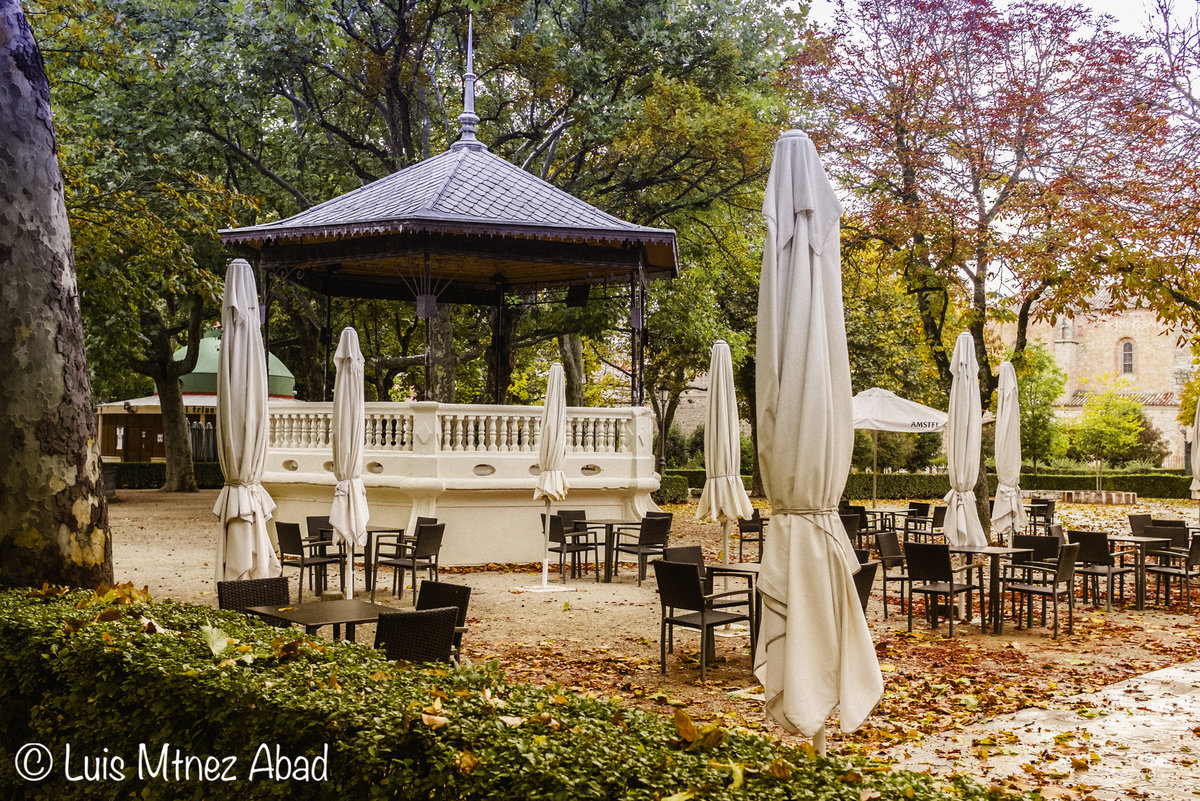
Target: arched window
[[1125, 357], [1064, 330]]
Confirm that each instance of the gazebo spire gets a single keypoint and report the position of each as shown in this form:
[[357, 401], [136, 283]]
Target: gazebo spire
[[469, 119]]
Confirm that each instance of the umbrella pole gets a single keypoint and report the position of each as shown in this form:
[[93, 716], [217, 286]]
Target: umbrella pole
[[546, 546], [350, 564], [874, 469]]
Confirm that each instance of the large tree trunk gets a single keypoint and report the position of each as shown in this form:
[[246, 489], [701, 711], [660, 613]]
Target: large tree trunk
[[570, 353], [746, 385], [177, 443], [53, 516]]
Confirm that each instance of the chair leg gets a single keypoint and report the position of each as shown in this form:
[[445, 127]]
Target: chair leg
[[910, 607], [662, 644], [950, 605]]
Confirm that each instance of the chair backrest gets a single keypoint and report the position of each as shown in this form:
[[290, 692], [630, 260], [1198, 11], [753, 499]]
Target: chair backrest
[[757, 514], [571, 516], [863, 580], [423, 521], [752, 526], [438, 594], [1176, 534], [419, 635], [679, 585], [1093, 547], [928, 561], [237, 595], [850, 522], [654, 530], [290, 541], [1193, 559], [557, 529], [692, 554], [888, 545], [1056, 531], [315, 523], [1045, 548], [1164, 522], [1137, 523], [863, 555], [939, 516], [1064, 570], [429, 540], [918, 508]]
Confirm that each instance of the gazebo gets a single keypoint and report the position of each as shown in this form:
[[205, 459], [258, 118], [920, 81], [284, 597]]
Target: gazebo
[[465, 226]]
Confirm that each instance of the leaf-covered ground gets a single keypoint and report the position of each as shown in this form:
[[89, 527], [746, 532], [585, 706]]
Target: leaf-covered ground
[[603, 638]]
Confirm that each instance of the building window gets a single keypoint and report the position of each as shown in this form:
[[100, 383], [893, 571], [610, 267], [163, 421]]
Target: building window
[[1125, 354], [1064, 330]]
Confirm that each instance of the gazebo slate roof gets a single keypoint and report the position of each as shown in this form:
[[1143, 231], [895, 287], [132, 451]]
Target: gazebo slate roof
[[461, 224]]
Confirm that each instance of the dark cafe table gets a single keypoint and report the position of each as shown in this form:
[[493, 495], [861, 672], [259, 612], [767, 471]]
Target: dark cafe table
[[315, 614], [995, 604], [1141, 544], [609, 541]]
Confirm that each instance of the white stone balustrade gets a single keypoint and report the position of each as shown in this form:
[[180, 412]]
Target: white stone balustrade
[[473, 467]]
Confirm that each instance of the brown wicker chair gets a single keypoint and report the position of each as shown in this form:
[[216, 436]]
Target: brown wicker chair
[[418, 635], [932, 575], [1053, 582], [307, 555], [651, 539], [681, 590], [420, 554], [239, 595], [438, 594]]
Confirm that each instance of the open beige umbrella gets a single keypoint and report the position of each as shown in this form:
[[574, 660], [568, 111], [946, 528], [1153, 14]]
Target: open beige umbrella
[[552, 458], [963, 432], [244, 550], [724, 496], [1008, 515], [349, 514], [877, 409], [814, 650]]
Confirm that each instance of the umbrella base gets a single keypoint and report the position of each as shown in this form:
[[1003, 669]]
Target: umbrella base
[[548, 588]]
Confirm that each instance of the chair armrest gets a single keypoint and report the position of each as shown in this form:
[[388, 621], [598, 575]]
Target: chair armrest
[[716, 596], [460, 629]]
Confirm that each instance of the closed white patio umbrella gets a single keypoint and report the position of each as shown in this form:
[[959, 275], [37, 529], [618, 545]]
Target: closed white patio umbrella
[[814, 650], [349, 514], [963, 430], [552, 458], [724, 496], [244, 549], [1008, 515], [1196, 454], [877, 409]]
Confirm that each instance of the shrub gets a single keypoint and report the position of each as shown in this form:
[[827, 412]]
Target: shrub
[[116, 671], [673, 489], [152, 475]]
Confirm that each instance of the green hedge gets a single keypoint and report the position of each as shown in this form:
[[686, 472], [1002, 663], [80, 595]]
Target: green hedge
[[672, 489], [695, 478], [921, 485], [112, 676], [152, 475], [1146, 485]]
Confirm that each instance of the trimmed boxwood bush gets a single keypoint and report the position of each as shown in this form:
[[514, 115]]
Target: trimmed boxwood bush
[[672, 489], [152, 475], [118, 672]]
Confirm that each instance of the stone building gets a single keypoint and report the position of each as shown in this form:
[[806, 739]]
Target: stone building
[[1094, 349]]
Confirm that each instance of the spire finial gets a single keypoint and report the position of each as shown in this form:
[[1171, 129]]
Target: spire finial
[[468, 119]]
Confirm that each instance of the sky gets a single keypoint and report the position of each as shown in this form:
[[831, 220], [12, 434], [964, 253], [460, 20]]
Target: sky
[[1129, 14]]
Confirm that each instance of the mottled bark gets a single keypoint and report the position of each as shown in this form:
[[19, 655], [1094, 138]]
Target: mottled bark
[[53, 516], [570, 353]]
